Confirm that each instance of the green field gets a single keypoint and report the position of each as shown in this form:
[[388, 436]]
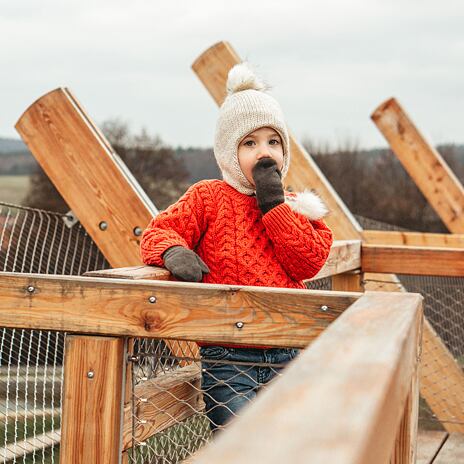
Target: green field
[[13, 188]]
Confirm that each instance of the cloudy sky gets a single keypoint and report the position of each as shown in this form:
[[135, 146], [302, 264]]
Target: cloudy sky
[[331, 63]]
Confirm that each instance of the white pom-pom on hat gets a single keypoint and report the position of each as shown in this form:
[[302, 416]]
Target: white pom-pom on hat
[[241, 77]]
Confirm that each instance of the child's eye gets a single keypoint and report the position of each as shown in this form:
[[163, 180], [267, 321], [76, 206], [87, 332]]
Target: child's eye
[[274, 142], [248, 143]]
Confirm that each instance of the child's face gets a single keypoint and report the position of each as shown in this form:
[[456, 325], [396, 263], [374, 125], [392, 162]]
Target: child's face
[[261, 143]]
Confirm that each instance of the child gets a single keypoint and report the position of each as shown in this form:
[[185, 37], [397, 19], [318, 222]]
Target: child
[[243, 230]]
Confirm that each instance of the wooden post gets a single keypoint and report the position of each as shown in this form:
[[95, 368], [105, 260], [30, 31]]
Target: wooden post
[[348, 282], [212, 67], [423, 163], [91, 429]]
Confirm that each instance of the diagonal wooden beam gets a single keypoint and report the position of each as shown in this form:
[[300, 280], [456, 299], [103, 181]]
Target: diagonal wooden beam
[[423, 163]]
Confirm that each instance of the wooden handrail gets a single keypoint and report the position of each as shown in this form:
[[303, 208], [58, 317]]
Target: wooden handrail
[[343, 398], [169, 310], [391, 237], [431, 261]]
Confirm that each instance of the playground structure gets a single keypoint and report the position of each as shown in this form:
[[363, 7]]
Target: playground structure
[[351, 395]]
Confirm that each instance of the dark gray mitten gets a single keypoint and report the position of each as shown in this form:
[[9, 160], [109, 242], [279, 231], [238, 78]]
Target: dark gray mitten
[[268, 183], [184, 264]]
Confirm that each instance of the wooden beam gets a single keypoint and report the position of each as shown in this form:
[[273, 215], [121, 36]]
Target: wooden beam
[[212, 68], [364, 364], [413, 260], [422, 239], [84, 168], [92, 400], [162, 402], [345, 255], [180, 310], [423, 163], [348, 282]]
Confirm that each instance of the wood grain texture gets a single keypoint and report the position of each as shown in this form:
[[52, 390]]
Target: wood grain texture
[[212, 68], [187, 311], [413, 260], [428, 444], [422, 239], [345, 255], [162, 402], [452, 451], [92, 407], [424, 164], [442, 381], [348, 282], [342, 399]]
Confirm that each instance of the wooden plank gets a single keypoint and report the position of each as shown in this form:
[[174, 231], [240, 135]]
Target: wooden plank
[[84, 170], [92, 400], [452, 451], [348, 282], [428, 444], [162, 402], [345, 255], [422, 239], [413, 260], [212, 68], [442, 382], [424, 164], [188, 311], [363, 363]]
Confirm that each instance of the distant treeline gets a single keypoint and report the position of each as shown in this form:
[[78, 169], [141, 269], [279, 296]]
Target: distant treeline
[[372, 183]]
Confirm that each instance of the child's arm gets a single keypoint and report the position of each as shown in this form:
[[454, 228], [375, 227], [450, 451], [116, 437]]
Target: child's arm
[[182, 224], [302, 246]]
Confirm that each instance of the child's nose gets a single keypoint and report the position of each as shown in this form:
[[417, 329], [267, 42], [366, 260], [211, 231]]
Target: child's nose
[[264, 153]]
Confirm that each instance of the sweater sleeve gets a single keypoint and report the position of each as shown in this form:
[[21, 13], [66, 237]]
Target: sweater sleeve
[[301, 245], [183, 223]]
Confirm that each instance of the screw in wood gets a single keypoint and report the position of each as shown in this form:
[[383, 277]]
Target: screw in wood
[[152, 299], [31, 289], [103, 225], [90, 374], [239, 324], [324, 308]]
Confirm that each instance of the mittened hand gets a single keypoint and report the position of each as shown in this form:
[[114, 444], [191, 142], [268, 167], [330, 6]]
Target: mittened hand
[[184, 264], [268, 183]]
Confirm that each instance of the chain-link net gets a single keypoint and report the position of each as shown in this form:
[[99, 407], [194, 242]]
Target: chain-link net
[[31, 372], [179, 403]]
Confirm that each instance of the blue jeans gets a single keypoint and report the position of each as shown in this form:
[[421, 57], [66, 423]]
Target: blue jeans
[[228, 385]]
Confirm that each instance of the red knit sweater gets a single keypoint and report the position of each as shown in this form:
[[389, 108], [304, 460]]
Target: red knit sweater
[[239, 245]]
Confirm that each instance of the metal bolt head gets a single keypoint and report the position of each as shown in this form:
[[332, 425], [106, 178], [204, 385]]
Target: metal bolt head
[[103, 225], [137, 231], [152, 299], [239, 324], [324, 308], [90, 374], [133, 358], [31, 289]]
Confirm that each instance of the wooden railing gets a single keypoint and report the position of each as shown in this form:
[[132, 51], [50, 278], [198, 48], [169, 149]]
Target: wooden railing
[[104, 312]]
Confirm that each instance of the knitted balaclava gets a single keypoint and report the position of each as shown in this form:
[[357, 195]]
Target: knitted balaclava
[[246, 108]]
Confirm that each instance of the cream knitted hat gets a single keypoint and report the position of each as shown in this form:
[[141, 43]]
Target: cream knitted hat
[[246, 108]]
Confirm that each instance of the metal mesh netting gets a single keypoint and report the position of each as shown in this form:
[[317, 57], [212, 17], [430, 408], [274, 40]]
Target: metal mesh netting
[[31, 372], [181, 402]]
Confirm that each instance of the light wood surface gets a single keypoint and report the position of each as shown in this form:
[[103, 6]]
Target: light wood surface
[[348, 282], [384, 237], [90, 176], [442, 382], [423, 163], [345, 255], [413, 260], [452, 451], [91, 420], [188, 311], [162, 402], [429, 443], [342, 399], [212, 68]]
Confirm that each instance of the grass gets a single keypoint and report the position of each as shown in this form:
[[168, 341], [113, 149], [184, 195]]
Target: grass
[[13, 188]]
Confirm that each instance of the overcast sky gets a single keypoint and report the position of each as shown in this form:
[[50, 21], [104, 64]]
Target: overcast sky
[[331, 63]]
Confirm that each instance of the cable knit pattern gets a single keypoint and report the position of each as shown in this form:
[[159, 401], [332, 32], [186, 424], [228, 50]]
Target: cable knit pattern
[[238, 244]]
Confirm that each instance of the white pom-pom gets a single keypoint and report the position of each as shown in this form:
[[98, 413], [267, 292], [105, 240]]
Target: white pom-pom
[[241, 77], [308, 204]]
